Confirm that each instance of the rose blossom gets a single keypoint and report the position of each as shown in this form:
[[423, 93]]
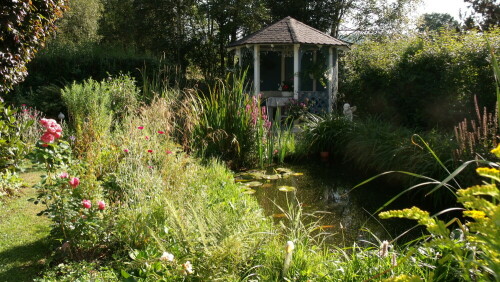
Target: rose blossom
[[101, 205], [74, 182], [48, 137], [86, 204], [63, 175]]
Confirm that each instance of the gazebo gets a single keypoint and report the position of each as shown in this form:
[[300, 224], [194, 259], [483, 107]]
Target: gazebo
[[292, 60]]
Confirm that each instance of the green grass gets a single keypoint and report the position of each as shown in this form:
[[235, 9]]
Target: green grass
[[24, 240]]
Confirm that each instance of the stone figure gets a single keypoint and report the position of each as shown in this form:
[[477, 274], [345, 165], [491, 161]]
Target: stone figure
[[348, 110]]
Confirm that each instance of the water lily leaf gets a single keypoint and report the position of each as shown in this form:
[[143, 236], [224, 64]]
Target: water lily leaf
[[254, 184], [286, 188], [267, 185], [271, 177], [242, 180], [298, 174], [249, 191], [283, 170], [278, 215]]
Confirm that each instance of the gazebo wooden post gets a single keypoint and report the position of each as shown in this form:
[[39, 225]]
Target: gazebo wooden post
[[296, 71], [315, 56], [238, 55], [333, 77], [283, 57], [256, 69]]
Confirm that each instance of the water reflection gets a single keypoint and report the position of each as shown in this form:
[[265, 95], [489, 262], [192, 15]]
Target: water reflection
[[322, 188]]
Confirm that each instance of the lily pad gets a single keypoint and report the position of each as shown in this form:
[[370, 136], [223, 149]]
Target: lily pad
[[271, 177], [298, 174], [248, 191], [267, 185], [278, 215], [286, 188], [283, 170], [254, 184]]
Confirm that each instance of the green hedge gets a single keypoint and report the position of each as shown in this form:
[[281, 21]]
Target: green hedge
[[422, 80]]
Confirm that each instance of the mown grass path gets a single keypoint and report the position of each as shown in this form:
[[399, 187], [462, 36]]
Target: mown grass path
[[23, 235]]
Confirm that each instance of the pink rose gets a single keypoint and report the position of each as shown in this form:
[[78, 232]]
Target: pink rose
[[64, 175], [101, 205], [169, 152], [126, 150], [150, 151], [86, 204], [160, 132], [48, 137], [140, 127], [74, 182]]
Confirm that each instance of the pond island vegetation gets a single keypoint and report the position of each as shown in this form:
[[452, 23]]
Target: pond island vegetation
[[134, 149]]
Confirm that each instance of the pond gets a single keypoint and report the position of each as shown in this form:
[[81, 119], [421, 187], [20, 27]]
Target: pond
[[324, 189]]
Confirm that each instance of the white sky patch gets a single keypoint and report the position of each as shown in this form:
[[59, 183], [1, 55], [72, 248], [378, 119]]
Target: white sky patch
[[452, 7]]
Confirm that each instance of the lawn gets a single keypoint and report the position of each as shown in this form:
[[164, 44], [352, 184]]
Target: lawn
[[24, 244]]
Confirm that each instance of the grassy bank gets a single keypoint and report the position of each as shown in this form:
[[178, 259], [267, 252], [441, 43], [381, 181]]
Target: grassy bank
[[24, 236]]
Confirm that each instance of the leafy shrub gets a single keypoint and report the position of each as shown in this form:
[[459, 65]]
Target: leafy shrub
[[59, 65], [409, 80], [12, 147], [10, 183], [93, 106]]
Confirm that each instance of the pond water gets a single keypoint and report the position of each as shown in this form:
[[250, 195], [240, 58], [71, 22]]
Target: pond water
[[324, 189]]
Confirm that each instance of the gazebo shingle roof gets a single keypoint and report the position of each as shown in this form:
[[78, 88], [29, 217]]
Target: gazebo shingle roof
[[289, 31]]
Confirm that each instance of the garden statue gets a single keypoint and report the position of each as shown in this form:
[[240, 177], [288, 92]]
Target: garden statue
[[348, 110]]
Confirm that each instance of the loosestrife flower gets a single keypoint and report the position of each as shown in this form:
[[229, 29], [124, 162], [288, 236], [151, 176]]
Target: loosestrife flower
[[101, 205], [188, 268], [384, 249], [87, 204], [140, 127], [167, 257], [74, 182], [63, 175]]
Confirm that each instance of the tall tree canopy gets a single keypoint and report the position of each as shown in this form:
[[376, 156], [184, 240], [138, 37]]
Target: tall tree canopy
[[349, 16], [437, 21], [487, 13], [24, 26]]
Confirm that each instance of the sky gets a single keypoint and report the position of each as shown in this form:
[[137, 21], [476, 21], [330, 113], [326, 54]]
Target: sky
[[451, 7]]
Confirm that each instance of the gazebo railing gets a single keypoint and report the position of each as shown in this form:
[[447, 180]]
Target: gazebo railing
[[317, 99]]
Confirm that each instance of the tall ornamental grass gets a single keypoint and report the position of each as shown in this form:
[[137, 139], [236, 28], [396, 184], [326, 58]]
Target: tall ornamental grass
[[230, 126]]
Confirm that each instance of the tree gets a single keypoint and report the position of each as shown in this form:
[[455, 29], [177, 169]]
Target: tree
[[351, 16], [437, 21], [488, 12], [25, 25], [80, 22]]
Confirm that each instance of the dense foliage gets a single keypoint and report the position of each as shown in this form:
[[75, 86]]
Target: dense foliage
[[24, 27], [424, 80]]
